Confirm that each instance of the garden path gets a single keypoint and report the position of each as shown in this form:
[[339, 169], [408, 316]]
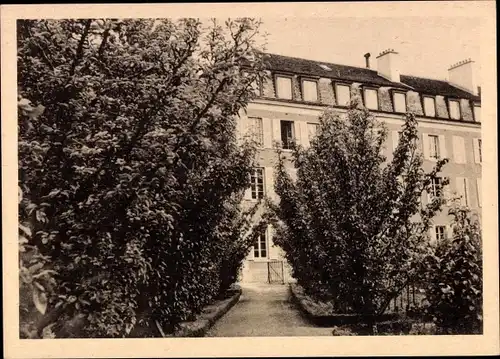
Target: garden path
[[265, 310]]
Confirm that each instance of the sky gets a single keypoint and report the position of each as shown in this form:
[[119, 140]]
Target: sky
[[427, 46]]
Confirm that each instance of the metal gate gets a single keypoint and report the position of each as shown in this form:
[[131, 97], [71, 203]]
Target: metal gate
[[275, 271]]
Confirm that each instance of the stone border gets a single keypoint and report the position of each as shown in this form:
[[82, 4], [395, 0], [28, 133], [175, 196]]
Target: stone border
[[207, 318], [327, 320]]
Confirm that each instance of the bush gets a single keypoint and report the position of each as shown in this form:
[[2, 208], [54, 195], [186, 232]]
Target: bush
[[455, 277], [128, 158]]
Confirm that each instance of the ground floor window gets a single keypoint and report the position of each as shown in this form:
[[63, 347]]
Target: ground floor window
[[260, 245], [440, 233]]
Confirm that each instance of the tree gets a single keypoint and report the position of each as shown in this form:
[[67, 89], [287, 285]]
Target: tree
[[455, 287], [128, 157], [352, 224]]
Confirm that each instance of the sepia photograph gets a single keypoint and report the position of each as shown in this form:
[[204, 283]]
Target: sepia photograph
[[205, 175]]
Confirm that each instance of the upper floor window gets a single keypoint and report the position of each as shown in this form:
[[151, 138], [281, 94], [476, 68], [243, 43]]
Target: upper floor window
[[284, 87], [399, 102], [463, 190], [287, 134], [436, 187], [312, 129], [440, 232], [478, 150], [257, 183], [371, 99], [454, 109], [477, 113], [343, 94], [434, 147], [429, 106], [257, 87], [256, 130], [309, 90]]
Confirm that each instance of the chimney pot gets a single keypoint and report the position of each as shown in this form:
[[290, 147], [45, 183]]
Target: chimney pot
[[367, 58]]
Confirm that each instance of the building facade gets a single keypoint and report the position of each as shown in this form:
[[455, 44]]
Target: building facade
[[289, 104]]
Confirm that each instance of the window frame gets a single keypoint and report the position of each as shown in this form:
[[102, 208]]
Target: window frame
[[290, 77], [260, 249], [344, 84], [450, 100], [309, 79], [434, 192], [365, 89], [294, 137], [254, 182], [474, 107], [437, 157], [393, 97], [433, 98], [436, 234]]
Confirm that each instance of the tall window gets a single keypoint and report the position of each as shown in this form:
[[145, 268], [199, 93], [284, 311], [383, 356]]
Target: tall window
[[429, 106], [435, 187], [434, 146], [463, 190], [371, 99], [256, 130], [260, 245], [309, 90], [284, 87], [459, 149], [343, 94], [399, 102], [312, 129], [287, 134], [454, 109], [477, 113], [440, 232], [257, 183]]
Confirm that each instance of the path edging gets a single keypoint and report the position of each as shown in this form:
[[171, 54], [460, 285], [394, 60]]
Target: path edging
[[206, 319]]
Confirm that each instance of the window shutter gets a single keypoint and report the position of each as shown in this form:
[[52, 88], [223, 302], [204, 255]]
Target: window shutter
[[475, 142], [276, 126], [425, 145], [459, 149], [395, 140], [442, 147], [479, 192], [460, 186], [467, 191], [267, 129], [269, 182], [303, 134], [449, 232], [446, 191]]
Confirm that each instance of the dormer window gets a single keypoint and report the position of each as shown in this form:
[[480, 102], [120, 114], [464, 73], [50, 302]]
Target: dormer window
[[371, 99], [429, 106], [343, 93], [399, 99], [454, 109], [309, 90], [284, 87], [477, 113]]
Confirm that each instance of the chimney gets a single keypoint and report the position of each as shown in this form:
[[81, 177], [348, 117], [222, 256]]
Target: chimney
[[461, 75], [367, 58], [388, 65]]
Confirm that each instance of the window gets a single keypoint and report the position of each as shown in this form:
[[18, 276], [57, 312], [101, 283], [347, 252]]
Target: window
[[284, 87], [343, 95], [454, 109], [256, 130], [435, 187], [479, 191], [399, 102], [309, 91], [312, 129], [256, 87], [429, 106], [287, 134], [463, 191], [477, 113], [434, 147], [371, 99], [440, 232], [257, 183], [459, 149], [478, 150], [260, 245]]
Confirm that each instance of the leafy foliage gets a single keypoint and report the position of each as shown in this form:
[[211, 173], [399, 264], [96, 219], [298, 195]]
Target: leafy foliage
[[130, 165], [455, 284], [352, 224]]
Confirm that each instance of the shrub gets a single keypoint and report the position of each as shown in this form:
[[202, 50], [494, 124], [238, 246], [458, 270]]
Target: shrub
[[455, 277]]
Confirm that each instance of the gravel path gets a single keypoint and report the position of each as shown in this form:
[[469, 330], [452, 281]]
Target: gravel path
[[265, 310]]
